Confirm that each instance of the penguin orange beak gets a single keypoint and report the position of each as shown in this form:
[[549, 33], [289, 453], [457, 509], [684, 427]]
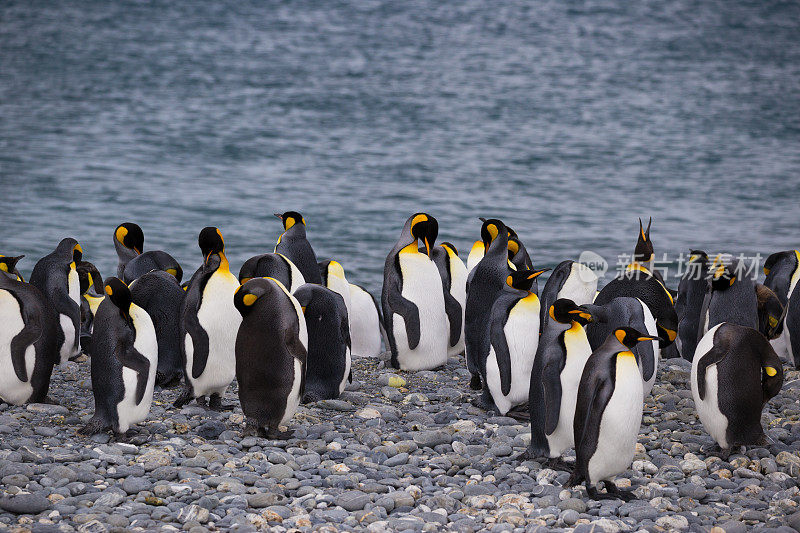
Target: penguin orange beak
[[642, 339], [278, 215], [427, 247]]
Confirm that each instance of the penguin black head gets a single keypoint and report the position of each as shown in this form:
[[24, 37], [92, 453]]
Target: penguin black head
[[211, 242], [698, 256], [630, 337], [566, 311], [523, 279], [248, 294], [449, 246], [130, 236], [723, 274], [69, 250], [119, 294], [644, 247], [513, 246], [88, 276], [290, 218], [425, 228], [490, 230], [8, 265]]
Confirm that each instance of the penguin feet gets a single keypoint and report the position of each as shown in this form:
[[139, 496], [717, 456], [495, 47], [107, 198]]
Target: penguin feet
[[595, 494], [275, 434], [252, 429], [95, 426], [215, 404], [49, 401], [519, 412], [475, 382], [624, 495], [485, 402], [558, 463], [166, 381], [185, 397], [716, 450]]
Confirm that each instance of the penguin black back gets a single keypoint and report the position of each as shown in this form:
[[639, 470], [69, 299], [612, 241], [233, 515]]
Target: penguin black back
[[294, 244], [692, 291], [128, 242], [150, 261], [272, 265], [8, 266], [452, 307]]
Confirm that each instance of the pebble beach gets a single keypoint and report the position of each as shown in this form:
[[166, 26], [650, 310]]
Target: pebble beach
[[397, 451]]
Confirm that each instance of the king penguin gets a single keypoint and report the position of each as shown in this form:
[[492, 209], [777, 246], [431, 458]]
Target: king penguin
[[445, 257], [735, 372], [476, 253], [553, 390], [333, 277], [692, 291], [209, 325], [413, 299], [8, 267], [365, 323], [129, 242], [124, 359], [294, 245], [56, 276], [514, 337], [484, 284], [570, 280], [272, 265], [608, 414], [731, 297], [91, 283], [782, 270], [28, 347], [271, 350]]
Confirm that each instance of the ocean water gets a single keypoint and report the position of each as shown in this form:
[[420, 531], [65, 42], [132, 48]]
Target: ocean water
[[567, 119]]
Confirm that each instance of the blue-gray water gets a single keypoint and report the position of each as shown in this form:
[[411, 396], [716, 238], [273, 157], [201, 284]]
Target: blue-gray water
[[567, 119]]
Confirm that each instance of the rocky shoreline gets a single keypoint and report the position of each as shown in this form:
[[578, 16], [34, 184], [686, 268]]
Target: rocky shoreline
[[398, 451]]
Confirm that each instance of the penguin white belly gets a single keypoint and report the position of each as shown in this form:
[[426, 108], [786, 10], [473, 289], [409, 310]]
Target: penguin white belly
[[220, 320], [348, 361], [365, 331], [458, 290], [652, 330], [342, 287], [296, 276], [619, 423], [128, 411], [782, 346], [293, 400], [580, 286], [578, 351], [12, 390], [522, 336], [708, 408], [67, 349], [422, 285], [475, 256]]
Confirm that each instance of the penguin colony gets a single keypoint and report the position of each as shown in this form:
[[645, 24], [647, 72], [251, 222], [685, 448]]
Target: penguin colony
[[576, 362]]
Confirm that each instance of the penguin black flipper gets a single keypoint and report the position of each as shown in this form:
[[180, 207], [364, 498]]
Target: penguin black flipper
[[192, 325], [597, 387], [66, 305], [501, 352], [551, 384], [716, 354], [132, 359], [293, 345], [453, 310], [410, 313], [30, 333]]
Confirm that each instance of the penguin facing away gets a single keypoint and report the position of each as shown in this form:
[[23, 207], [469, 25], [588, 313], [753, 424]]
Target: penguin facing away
[[735, 372], [440, 255], [123, 363], [270, 356], [55, 275], [293, 244], [412, 299], [129, 242], [333, 277], [209, 326], [570, 280], [328, 362], [556, 373], [692, 290], [149, 261], [28, 347], [365, 323], [608, 414], [458, 289], [514, 332], [272, 265]]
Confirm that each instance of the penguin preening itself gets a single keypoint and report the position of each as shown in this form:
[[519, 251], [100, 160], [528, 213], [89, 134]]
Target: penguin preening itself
[[608, 414], [518, 256], [129, 242], [293, 244], [159, 294], [28, 349], [484, 284], [412, 299], [209, 325], [735, 372], [454, 286], [91, 289], [553, 390], [272, 265], [365, 323], [149, 261], [692, 291], [8, 267], [514, 337], [270, 355], [124, 360], [570, 280], [55, 275], [329, 360]]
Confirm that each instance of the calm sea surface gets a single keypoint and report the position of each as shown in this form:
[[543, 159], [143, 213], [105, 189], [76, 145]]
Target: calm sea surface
[[566, 119]]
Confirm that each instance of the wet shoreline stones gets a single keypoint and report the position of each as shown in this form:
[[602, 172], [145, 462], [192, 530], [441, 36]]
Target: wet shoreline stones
[[398, 451]]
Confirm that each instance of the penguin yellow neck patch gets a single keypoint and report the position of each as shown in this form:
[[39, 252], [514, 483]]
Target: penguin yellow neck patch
[[771, 372], [249, 299], [410, 249]]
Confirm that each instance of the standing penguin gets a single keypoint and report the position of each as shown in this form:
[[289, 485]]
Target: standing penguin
[[272, 265], [643, 253], [553, 391], [56, 276], [159, 294], [124, 359], [731, 297], [91, 284], [571, 280], [28, 347], [333, 277], [692, 291], [209, 325], [484, 284], [365, 323], [514, 337], [735, 372], [294, 245], [413, 300], [129, 242], [608, 414], [270, 356], [328, 363], [442, 256]]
